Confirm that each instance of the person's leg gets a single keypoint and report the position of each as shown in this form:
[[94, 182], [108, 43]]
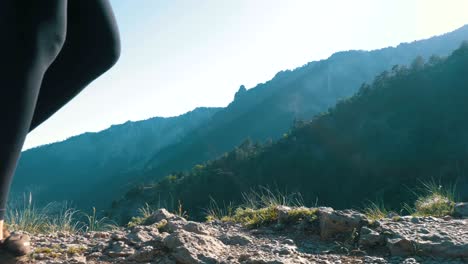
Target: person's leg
[[92, 46], [32, 34]]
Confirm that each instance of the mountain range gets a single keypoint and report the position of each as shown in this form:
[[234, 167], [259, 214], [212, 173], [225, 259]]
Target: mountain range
[[85, 169], [95, 169], [408, 126]]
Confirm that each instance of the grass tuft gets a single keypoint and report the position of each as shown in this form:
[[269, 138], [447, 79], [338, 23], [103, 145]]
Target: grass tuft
[[434, 205], [98, 224], [265, 197], [433, 199], [161, 226], [375, 211], [262, 207], [216, 212], [145, 212], [76, 250], [255, 217], [54, 217]]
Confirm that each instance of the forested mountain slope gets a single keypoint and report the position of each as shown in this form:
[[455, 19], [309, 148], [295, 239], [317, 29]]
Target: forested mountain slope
[[269, 109], [87, 169], [409, 125]]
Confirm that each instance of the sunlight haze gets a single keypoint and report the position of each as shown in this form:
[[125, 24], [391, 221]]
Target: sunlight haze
[[179, 55]]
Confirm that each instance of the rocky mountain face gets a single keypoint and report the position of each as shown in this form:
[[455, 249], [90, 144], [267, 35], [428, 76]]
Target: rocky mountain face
[[87, 169], [333, 236]]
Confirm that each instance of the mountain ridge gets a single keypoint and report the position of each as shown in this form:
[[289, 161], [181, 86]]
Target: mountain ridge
[[240, 107], [403, 128], [106, 153]]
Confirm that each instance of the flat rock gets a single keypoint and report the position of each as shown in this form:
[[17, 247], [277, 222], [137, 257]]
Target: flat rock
[[428, 236], [235, 239]]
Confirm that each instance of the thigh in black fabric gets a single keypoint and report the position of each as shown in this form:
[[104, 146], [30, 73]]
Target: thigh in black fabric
[[32, 31], [92, 46]]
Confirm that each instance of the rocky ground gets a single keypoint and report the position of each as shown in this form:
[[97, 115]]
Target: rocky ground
[[335, 237]]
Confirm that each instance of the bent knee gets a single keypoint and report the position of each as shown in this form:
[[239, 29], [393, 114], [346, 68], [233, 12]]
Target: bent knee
[[39, 49], [48, 45]]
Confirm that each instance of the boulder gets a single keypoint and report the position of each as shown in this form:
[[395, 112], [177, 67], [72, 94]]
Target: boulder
[[191, 248], [342, 222]]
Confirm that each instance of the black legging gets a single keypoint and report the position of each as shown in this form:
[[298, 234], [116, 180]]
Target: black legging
[[49, 51]]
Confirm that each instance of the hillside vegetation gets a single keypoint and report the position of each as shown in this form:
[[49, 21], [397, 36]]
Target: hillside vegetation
[[408, 125], [267, 110]]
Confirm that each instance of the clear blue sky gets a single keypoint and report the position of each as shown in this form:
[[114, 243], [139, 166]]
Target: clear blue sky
[[181, 54]]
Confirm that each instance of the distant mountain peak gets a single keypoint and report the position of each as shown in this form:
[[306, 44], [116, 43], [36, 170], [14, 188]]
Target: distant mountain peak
[[240, 92]]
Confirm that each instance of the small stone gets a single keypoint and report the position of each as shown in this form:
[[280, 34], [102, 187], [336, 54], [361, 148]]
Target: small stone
[[391, 215], [195, 227], [145, 254], [235, 239], [374, 260], [400, 247], [461, 210], [357, 252], [283, 213], [161, 214], [370, 238], [101, 235], [410, 261], [78, 260], [118, 237], [283, 251], [139, 236], [96, 254], [119, 249]]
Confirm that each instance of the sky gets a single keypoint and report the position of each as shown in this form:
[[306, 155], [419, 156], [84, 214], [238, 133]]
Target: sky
[[181, 54]]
